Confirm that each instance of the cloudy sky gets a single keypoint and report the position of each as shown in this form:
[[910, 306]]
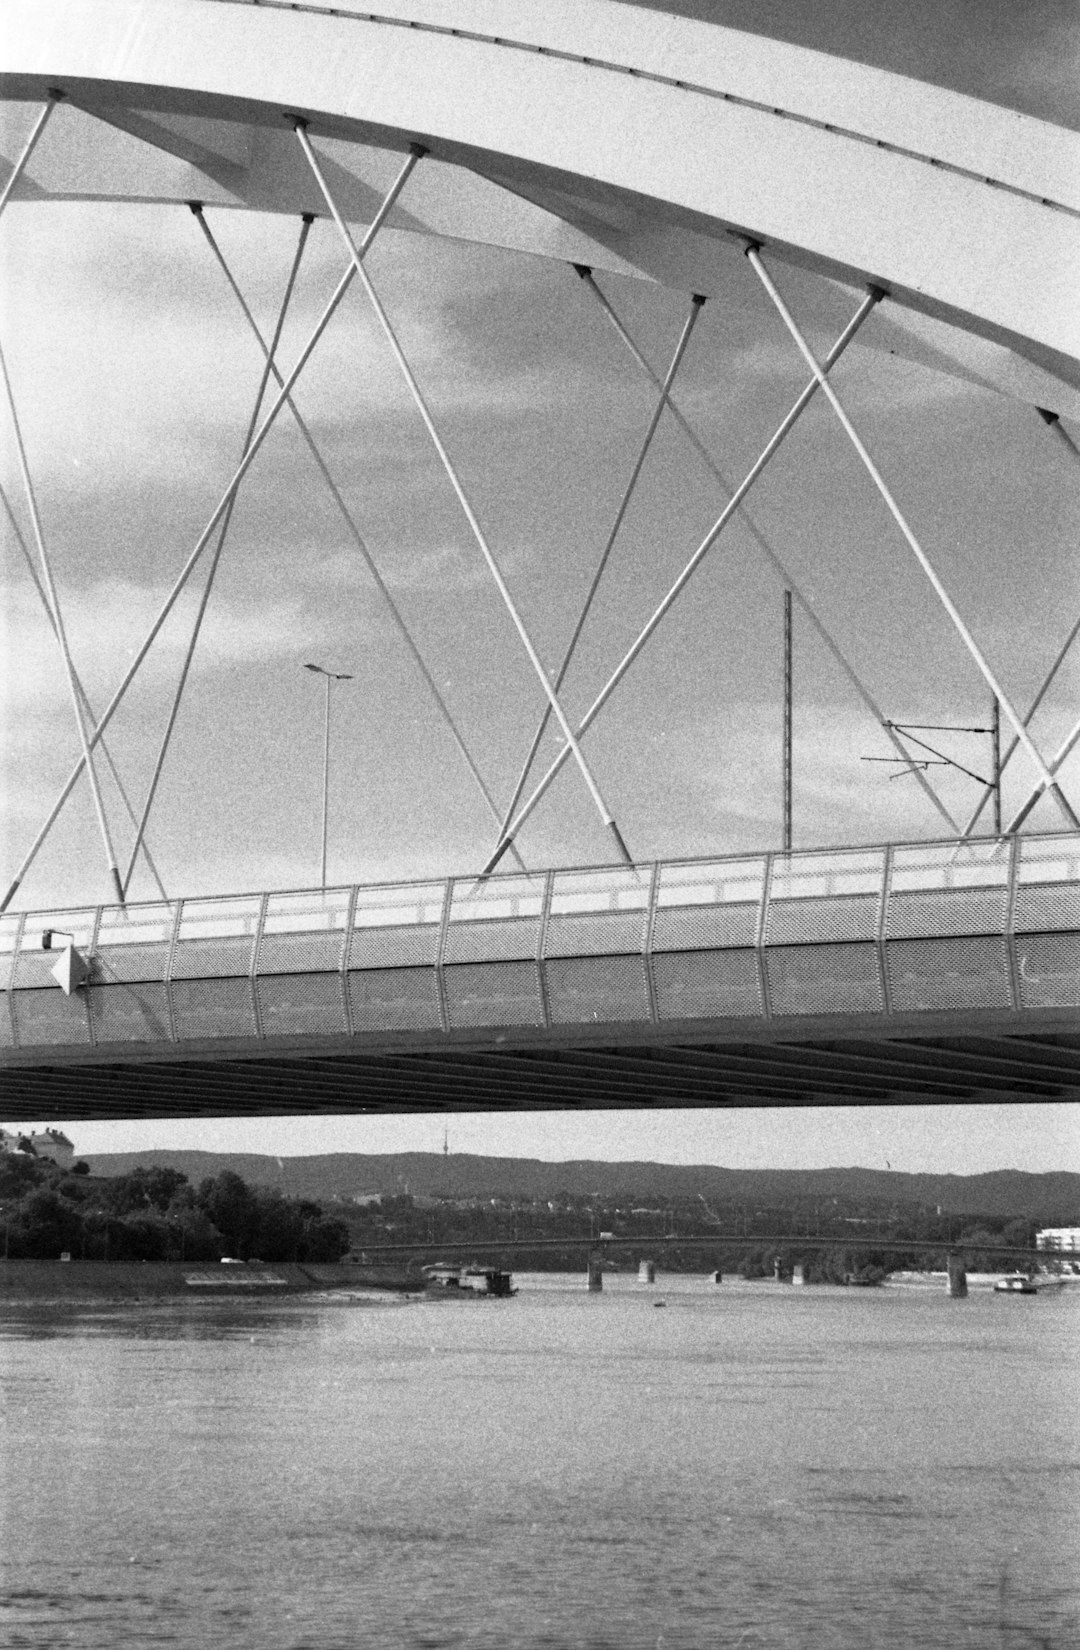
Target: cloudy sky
[[134, 376]]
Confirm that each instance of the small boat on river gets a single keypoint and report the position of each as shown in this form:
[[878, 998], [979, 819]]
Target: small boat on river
[[1016, 1283], [464, 1282]]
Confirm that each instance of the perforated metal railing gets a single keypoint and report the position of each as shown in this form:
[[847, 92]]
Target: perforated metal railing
[[880, 931]]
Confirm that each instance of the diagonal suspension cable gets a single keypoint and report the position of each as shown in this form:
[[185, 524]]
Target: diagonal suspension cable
[[61, 633], [872, 299], [1054, 423], [83, 695], [620, 514], [223, 533], [913, 544], [477, 531], [771, 555], [294, 372], [358, 539], [29, 146]]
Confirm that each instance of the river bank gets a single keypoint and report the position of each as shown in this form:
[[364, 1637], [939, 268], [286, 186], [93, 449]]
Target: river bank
[[54, 1280]]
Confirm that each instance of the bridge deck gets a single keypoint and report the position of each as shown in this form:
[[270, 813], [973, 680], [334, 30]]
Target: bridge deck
[[931, 969]]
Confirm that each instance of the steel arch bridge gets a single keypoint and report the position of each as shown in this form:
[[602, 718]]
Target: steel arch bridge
[[615, 139]]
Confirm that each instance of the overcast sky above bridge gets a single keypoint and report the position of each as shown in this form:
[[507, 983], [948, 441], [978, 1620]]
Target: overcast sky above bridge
[[134, 378]]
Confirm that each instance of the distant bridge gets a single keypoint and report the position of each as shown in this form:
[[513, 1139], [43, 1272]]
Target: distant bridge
[[946, 970], [789, 1241]]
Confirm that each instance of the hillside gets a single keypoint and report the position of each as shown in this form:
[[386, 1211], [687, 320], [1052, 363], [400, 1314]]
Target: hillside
[[1052, 1199]]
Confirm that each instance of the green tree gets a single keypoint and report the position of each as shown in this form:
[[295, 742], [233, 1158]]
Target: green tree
[[230, 1204], [44, 1225], [153, 1188]]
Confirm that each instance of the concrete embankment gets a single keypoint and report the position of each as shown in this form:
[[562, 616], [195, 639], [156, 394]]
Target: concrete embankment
[[47, 1280]]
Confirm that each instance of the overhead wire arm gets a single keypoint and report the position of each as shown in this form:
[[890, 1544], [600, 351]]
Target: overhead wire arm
[[940, 755]]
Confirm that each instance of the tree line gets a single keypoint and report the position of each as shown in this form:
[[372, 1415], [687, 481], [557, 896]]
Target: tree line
[[156, 1214]]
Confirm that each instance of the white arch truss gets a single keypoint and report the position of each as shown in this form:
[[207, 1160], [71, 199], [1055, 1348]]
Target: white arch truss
[[615, 136]]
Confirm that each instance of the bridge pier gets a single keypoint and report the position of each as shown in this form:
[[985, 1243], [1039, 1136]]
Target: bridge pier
[[957, 1271], [800, 1272], [595, 1274], [646, 1272]]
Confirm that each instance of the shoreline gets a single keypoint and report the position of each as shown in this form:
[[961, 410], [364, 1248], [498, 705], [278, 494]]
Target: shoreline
[[49, 1280]]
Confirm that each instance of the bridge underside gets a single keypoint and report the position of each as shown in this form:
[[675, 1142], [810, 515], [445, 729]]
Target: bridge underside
[[963, 1058]]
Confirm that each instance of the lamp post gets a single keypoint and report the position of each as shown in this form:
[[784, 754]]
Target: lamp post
[[330, 676]]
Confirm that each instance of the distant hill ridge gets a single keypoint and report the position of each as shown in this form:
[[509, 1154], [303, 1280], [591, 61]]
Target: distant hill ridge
[[1053, 1198]]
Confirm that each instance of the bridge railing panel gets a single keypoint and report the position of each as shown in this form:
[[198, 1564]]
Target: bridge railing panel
[[970, 971], [703, 956], [700, 906], [936, 889], [707, 984], [594, 946], [215, 938], [129, 992], [396, 927], [211, 987], [1048, 970], [946, 926], [825, 897], [492, 994], [129, 936], [205, 1007], [299, 964], [1047, 884], [41, 1012], [824, 978], [392, 980], [394, 999], [1046, 921], [499, 920], [610, 988], [491, 950]]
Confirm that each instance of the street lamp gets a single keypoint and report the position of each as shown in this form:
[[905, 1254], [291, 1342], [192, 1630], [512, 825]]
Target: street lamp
[[331, 676]]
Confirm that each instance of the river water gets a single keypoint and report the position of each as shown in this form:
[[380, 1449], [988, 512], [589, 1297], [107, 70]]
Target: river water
[[751, 1466]]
